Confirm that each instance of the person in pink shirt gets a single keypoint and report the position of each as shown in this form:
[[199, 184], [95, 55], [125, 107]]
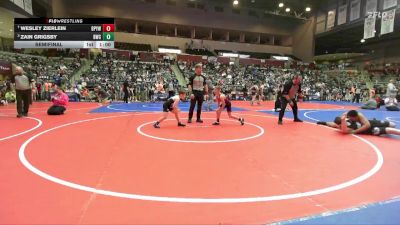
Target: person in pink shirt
[[60, 102]]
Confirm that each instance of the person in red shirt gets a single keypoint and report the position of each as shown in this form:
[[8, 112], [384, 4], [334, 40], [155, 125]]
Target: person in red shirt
[[60, 102], [223, 102]]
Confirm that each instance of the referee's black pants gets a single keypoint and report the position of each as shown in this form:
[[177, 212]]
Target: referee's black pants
[[284, 103], [126, 96], [199, 98], [23, 100]]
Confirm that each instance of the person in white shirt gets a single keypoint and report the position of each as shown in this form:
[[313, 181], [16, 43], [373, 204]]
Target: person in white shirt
[[171, 105], [391, 90]]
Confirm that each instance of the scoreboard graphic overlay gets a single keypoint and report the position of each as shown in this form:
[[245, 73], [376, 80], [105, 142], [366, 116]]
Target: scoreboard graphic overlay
[[64, 32]]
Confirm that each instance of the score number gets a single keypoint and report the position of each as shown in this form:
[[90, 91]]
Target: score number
[[108, 27], [108, 32]]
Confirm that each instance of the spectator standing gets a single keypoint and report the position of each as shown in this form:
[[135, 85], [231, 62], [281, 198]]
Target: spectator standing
[[125, 89], [47, 91], [39, 90], [391, 90]]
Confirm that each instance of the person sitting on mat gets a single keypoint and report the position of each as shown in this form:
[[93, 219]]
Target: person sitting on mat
[[354, 122], [391, 104], [371, 104], [60, 102], [102, 96], [171, 105], [223, 102]]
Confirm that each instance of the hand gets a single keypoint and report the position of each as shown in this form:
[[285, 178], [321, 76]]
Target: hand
[[351, 131], [206, 97], [192, 96], [291, 104]]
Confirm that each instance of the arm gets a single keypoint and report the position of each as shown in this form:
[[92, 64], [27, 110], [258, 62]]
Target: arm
[[328, 124], [365, 124], [300, 92], [175, 106], [286, 89], [29, 77], [332, 124], [343, 125], [191, 84]]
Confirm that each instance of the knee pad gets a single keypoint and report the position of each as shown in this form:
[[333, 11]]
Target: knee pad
[[378, 131]]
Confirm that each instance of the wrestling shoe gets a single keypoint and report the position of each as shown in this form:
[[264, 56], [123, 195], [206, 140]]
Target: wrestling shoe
[[280, 122], [241, 120], [199, 121], [298, 120], [189, 120], [156, 125], [215, 123], [181, 124]]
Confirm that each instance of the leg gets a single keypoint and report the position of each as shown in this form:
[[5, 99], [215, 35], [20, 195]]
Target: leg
[[284, 103], [26, 99], [232, 116], [277, 105], [390, 130], [191, 109], [218, 112], [19, 102], [55, 110], [176, 114], [51, 110], [200, 99], [229, 111], [164, 117], [295, 110], [62, 109]]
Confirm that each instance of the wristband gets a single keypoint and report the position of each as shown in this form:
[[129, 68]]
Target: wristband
[[322, 123]]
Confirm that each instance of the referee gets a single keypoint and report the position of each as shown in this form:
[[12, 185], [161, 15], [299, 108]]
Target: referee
[[23, 91], [198, 88], [291, 90]]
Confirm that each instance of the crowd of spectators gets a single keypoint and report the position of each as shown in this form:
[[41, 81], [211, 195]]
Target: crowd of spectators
[[317, 85], [146, 80], [151, 81], [44, 71]]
